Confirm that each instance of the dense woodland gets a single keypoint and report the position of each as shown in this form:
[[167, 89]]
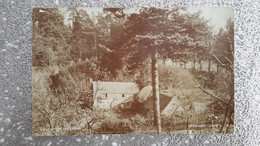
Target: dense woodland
[[117, 45]]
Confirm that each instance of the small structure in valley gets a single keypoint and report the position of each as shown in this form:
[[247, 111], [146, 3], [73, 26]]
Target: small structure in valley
[[169, 105], [107, 93]]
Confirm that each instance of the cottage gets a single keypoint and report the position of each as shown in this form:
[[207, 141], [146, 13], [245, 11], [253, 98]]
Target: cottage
[[169, 106], [106, 94]]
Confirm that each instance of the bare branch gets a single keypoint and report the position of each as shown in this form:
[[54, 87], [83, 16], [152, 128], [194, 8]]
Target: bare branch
[[45, 116], [228, 60], [222, 64], [227, 52], [209, 93], [226, 114]]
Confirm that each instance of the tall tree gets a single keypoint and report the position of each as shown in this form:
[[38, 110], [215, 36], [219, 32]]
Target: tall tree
[[108, 30], [224, 53], [83, 36], [224, 81], [50, 37], [159, 33], [224, 45]]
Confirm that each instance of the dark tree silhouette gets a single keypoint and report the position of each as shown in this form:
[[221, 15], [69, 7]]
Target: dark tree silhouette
[[158, 33]]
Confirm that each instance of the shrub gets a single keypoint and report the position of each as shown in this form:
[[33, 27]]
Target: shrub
[[174, 77], [118, 126]]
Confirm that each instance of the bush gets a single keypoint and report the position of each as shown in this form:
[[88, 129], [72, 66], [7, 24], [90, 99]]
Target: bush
[[174, 77], [118, 126], [205, 78]]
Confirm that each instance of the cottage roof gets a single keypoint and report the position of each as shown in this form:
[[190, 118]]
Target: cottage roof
[[144, 94], [115, 87], [173, 107], [168, 105], [164, 101]]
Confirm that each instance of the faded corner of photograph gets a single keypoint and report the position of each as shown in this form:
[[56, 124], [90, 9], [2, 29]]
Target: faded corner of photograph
[[133, 70]]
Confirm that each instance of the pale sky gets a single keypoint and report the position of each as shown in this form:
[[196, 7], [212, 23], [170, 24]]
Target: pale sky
[[217, 15]]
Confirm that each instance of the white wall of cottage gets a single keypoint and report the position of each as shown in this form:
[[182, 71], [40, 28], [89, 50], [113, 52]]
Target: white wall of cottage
[[104, 100]]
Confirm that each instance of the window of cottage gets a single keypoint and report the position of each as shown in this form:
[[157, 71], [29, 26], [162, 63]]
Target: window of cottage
[[123, 95]]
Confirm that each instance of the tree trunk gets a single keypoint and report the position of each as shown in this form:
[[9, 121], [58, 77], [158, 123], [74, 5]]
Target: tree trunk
[[200, 66], [156, 98], [217, 67], [184, 64], [228, 108], [209, 65], [194, 63]]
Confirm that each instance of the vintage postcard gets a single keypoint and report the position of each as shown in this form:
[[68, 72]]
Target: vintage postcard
[[133, 70]]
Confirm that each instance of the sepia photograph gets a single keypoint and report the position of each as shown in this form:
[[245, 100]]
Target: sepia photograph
[[145, 70]]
